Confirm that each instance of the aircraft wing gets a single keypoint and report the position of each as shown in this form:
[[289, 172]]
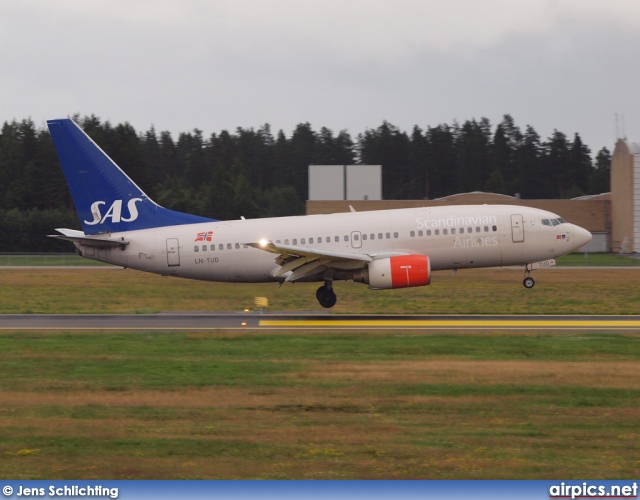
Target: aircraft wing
[[303, 261], [78, 236]]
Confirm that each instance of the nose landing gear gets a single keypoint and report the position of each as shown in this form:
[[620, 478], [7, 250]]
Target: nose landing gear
[[528, 281], [326, 296]]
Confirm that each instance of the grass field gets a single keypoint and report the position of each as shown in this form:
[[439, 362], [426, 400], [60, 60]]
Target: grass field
[[499, 291], [44, 260], [320, 405], [598, 259]]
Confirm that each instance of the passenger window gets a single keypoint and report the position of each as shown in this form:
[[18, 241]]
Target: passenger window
[[453, 231], [477, 229], [295, 241], [245, 246], [494, 228], [364, 237], [302, 241], [311, 241], [346, 237], [469, 230], [420, 232], [213, 247], [486, 229], [237, 246], [388, 235], [436, 232], [229, 246], [277, 241], [428, 232], [328, 239], [395, 235], [372, 236], [220, 246], [337, 239], [444, 232], [412, 234], [204, 248], [196, 248], [379, 236], [286, 242]]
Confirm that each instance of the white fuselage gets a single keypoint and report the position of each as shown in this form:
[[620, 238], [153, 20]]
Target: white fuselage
[[453, 237]]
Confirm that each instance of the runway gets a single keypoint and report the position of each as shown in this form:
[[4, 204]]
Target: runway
[[309, 321]]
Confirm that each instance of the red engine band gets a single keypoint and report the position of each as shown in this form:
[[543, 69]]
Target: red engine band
[[397, 272], [410, 270]]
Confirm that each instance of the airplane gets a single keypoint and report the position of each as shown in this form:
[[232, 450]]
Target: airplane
[[384, 249]]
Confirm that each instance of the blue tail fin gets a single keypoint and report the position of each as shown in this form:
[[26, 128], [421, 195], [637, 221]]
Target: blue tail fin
[[105, 198]]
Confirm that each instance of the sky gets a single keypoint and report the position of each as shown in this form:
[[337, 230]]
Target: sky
[[177, 65]]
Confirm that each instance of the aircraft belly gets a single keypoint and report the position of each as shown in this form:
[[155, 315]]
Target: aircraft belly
[[447, 257], [235, 267], [238, 272], [528, 250]]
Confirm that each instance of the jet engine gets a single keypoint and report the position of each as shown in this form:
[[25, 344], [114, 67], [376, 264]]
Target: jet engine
[[401, 271]]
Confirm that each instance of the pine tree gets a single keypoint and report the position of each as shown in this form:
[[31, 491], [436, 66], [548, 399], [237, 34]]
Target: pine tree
[[600, 176], [529, 157], [441, 161], [389, 147], [580, 167], [557, 161]]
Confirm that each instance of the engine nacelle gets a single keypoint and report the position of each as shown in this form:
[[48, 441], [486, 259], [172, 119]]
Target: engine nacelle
[[401, 271]]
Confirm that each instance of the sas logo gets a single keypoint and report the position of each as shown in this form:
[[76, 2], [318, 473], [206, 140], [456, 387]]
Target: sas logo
[[114, 213], [206, 236]]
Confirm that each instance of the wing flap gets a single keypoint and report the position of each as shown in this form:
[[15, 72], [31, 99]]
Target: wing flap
[[287, 251], [304, 261], [304, 270]]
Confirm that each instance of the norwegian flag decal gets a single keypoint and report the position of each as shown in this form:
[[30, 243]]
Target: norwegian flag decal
[[206, 236]]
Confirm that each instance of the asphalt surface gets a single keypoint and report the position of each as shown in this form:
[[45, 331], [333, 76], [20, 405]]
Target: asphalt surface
[[309, 321]]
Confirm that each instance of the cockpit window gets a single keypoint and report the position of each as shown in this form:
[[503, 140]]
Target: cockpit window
[[553, 222]]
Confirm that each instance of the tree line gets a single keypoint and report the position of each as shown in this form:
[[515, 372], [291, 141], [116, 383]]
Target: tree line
[[256, 173]]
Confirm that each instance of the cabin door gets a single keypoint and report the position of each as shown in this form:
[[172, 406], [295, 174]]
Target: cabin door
[[517, 228], [173, 252]]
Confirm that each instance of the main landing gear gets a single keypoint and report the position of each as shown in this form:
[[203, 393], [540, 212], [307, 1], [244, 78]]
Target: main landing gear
[[326, 296], [528, 281]]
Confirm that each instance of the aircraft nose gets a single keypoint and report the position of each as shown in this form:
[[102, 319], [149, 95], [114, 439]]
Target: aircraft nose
[[580, 236]]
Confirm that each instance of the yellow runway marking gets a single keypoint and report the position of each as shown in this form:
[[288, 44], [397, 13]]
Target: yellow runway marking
[[613, 323], [519, 324]]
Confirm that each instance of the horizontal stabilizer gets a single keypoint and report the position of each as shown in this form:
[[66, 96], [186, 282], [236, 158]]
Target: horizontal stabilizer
[[79, 237]]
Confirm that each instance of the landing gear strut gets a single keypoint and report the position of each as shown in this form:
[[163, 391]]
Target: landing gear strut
[[528, 281], [326, 296]]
